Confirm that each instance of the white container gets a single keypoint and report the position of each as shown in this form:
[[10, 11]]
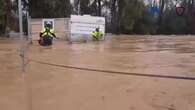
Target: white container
[[81, 27]]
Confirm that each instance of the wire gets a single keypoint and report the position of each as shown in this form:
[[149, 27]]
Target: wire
[[116, 72]]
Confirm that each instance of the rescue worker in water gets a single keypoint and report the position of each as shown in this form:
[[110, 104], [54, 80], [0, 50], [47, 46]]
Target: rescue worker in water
[[46, 36], [97, 35]]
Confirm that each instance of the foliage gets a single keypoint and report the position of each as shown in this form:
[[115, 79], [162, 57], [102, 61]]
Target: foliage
[[147, 24], [174, 24], [2, 17], [132, 13], [122, 16], [49, 8]]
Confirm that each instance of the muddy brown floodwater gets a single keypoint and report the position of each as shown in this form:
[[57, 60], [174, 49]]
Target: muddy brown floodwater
[[55, 86]]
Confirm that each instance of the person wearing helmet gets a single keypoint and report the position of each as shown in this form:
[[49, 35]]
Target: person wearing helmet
[[97, 35], [47, 35]]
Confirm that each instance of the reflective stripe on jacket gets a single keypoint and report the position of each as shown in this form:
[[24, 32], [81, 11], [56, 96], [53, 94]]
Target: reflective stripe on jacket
[[49, 33]]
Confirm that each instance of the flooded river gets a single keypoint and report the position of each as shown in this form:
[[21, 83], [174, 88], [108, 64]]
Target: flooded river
[[122, 72]]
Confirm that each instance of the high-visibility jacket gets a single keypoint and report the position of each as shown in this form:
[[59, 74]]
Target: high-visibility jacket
[[97, 35], [47, 33]]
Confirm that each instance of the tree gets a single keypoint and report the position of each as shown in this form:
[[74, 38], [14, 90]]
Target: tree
[[8, 13], [191, 15], [96, 7], [133, 12], [85, 7], [68, 8], [5, 15], [50, 8], [120, 13], [162, 6], [99, 7], [2, 17], [113, 16], [123, 16]]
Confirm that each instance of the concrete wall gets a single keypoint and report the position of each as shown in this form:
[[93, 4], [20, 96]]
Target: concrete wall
[[61, 27]]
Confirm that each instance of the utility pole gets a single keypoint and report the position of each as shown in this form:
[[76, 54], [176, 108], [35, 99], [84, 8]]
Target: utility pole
[[22, 55], [21, 35], [20, 18], [28, 18]]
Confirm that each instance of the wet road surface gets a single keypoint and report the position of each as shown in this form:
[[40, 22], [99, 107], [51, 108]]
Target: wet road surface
[[53, 87]]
